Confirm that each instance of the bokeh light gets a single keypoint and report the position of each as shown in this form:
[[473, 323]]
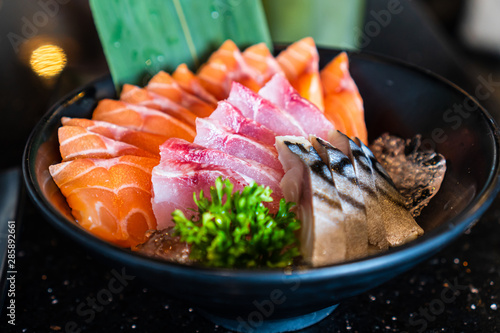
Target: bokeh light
[[48, 60]]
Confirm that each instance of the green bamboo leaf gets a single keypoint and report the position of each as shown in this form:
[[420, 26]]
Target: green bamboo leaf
[[140, 38]]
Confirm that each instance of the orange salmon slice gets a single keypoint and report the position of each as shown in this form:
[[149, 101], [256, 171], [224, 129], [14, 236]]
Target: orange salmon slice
[[142, 118], [111, 198], [148, 141], [188, 81], [164, 85], [225, 66], [300, 62], [140, 96], [262, 61], [342, 98], [78, 142]]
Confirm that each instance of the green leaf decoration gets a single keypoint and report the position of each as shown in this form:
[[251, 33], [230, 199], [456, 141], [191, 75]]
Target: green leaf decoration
[[140, 38], [237, 230]]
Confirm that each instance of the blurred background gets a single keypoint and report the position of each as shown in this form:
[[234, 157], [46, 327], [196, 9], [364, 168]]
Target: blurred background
[[50, 47]]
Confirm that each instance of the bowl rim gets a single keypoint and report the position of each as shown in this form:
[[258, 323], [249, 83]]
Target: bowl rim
[[431, 241]]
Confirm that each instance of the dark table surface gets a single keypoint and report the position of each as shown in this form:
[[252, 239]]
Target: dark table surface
[[457, 290]]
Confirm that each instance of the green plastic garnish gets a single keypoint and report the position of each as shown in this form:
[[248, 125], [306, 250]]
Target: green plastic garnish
[[237, 230]]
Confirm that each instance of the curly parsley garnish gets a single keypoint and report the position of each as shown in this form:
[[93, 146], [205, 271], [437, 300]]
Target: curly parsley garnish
[[237, 230]]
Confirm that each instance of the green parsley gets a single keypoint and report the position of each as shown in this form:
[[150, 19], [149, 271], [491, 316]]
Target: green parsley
[[237, 230]]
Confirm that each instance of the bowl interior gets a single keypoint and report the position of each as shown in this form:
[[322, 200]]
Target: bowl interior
[[398, 98]]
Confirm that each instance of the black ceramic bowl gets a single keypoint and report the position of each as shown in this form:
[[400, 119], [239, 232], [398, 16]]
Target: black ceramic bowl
[[399, 99]]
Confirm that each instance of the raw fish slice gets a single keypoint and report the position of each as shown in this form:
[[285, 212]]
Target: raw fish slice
[[400, 226], [110, 198], [223, 67], [142, 119], [262, 61], [308, 182], [351, 197], [147, 141], [139, 96], [188, 81], [279, 92], [230, 116], [343, 103], [78, 142], [182, 151], [300, 62], [416, 172], [164, 85], [214, 135], [175, 182], [375, 222], [264, 112]]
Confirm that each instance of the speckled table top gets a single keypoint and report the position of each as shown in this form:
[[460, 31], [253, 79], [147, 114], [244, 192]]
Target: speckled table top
[[457, 290]]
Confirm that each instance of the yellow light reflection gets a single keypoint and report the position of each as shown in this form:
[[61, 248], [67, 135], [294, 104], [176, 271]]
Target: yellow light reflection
[[48, 60]]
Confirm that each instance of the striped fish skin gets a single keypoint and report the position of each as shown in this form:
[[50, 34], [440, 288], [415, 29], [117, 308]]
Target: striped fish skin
[[351, 197], [375, 224], [400, 226], [309, 183]]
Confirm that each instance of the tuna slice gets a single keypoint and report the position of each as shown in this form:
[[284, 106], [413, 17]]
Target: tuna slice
[[280, 92], [230, 116], [308, 182], [214, 135], [175, 182], [182, 151], [399, 224], [351, 197], [375, 223], [264, 112]]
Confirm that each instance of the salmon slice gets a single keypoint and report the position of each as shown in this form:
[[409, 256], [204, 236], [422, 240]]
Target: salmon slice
[[142, 119], [111, 198], [188, 81], [175, 182], [140, 96], [225, 66], [164, 85], [148, 141], [300, 62], [262, 61], [279, 91], [78, 142], [343, 103]]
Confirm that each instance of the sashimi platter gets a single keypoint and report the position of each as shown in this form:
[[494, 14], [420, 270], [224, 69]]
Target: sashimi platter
[[254, 161]]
